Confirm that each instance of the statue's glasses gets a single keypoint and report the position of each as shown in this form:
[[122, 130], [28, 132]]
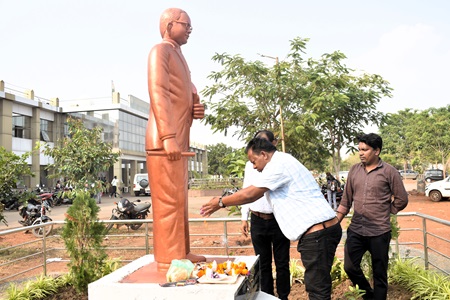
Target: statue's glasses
[[187, 25]]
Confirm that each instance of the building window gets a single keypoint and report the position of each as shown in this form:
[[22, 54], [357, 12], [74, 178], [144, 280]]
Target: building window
[[21, 127], [46, 130]]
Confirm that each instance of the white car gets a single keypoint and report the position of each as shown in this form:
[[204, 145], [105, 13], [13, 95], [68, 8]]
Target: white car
[[141, 178], [438, 190]]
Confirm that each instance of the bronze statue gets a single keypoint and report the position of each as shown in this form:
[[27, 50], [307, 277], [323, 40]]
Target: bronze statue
[[174, 103]]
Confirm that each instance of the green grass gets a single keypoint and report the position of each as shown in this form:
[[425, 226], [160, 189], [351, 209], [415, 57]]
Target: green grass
[[424, 284]]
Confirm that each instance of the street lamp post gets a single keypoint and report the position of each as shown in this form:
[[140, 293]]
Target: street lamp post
[[279, 99]]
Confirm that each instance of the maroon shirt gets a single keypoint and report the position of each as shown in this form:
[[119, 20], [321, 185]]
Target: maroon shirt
[[374, 195]]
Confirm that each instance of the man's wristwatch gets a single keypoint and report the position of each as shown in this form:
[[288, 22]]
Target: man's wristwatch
[[221, 203]]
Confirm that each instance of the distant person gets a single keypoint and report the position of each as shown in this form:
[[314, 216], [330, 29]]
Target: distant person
[[375, 190], [332, 187], [266, 234], [114, 184], [298, 207], [174, 104], [58, 185]]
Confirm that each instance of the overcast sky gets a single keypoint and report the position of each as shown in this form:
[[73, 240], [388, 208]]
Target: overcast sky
[[74, 49]]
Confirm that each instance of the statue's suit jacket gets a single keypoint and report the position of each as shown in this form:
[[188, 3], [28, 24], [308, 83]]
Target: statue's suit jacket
[[171, 100]]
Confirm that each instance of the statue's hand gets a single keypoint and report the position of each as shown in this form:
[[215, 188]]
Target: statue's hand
[[172, 149], [198, 111]]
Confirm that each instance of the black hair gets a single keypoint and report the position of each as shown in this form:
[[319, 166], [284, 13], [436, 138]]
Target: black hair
[[373, 140], [258, 144], [268, 133]]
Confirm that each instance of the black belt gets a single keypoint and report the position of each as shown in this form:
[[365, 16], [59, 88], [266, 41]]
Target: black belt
[[263, 215], [322, 225]]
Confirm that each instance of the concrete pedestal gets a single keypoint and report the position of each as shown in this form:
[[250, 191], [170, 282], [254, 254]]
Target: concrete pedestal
[[140, 280]]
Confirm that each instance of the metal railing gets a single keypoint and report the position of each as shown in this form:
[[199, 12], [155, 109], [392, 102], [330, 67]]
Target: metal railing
[[432, 256]]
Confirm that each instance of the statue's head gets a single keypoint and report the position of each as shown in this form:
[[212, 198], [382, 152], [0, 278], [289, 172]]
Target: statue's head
[[176, 25]]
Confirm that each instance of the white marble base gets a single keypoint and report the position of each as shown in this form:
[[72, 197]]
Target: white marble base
[[110, 287]]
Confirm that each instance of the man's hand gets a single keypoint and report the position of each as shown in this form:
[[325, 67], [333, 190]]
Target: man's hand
[[340, 216], [244, 228], [172, 149], [209, 208]]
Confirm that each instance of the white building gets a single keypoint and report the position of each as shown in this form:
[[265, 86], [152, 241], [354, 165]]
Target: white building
[[26, 119]]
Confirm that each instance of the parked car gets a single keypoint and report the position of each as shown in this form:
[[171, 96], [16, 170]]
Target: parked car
[[408, 174], [141, 184], [438, 190], [433, 175]]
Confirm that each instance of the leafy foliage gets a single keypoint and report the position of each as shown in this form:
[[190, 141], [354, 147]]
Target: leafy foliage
[[235, 162], [424, 284], [324, 106], [79, 158], [83, 238], [418, 138], [354, 293], [81, 155], [216, 154], [13, 167], [37, 289]]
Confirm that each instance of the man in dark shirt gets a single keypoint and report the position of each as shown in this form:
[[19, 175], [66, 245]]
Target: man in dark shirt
[[370, 187]]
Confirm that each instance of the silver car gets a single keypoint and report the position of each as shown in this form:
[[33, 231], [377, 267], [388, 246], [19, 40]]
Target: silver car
[[408, 174]]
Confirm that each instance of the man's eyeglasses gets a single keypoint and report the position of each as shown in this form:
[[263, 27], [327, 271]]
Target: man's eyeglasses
[[187, 25]]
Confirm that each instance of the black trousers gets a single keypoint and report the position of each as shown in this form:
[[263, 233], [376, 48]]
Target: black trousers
[[267, 237], [378, 247], [113, 191], [317, 251]]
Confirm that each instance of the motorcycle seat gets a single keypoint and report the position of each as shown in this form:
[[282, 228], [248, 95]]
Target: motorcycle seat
[[142, 206]]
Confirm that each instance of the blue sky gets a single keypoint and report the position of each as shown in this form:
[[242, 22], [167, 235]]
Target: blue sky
[[73, 49]]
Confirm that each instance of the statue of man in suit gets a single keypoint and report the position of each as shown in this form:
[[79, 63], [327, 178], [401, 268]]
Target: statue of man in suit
[[174, 103]]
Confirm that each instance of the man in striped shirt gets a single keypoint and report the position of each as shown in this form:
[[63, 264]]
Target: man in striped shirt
[[266, 234], [299, 208]]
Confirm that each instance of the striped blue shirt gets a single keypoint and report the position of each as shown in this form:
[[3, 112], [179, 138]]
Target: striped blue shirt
[[294, 195]]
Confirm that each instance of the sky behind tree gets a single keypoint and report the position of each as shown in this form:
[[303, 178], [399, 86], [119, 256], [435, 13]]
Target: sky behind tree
[[75, 49]]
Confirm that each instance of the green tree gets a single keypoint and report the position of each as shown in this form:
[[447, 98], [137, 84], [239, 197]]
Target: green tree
[[400, 137], [13, 167], [351, 160], [216, 154], [235, 162], [324, 106], [432, 128], [341, 103], [80, 157], [418, 138]]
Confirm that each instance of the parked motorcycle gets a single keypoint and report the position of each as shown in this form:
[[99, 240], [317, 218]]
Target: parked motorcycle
[[49, 197], [10, 201], [128, 210], [35, 213], [233, 210], [60, 196], [230, 191]]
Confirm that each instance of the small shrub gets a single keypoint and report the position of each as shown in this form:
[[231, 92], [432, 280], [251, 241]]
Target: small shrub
[[297, 271], [424, 284], [37, 288], [83, 237], [354, 293], [338, 274]]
